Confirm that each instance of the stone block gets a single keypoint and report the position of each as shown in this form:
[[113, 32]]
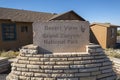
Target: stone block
[[12, 77], [33, 66], [77, 66], [58, 59], [23, 61], [93, 65], [28, 51], [28, 55], [17, 72], [67, 79], [37, 78], [49, 79], [53, 71], [24, 78], [105, 67], [30, 46], [46, 66], [61, 36], [82, 74], [88, 58], [64, 62], [97, 60], [47, 55], [91, 50], [38, 55], [104, 75], [96, 73], [36, 70], [88, 78], [22, 69], [107, 63], [50, 63], [100, 57], [33, 59], [36, 62], [19, 65], [42, 75], [28, 74], [86, 62], [89, 69], [99, 50], [75, 58], [45, 59], [57, 71], [107, 70], [61, 67], [14, 68], [71, 71], [62, 75], [22, 58]]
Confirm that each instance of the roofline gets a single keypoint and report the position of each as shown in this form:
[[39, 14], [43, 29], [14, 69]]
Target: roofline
[[26, 10], [102, 24], [65, 13]]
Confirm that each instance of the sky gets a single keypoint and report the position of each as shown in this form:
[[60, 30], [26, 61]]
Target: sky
[[92, 10]]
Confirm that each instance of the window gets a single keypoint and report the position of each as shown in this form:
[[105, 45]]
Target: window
[[24, 29], [112, 32], [8, 32]]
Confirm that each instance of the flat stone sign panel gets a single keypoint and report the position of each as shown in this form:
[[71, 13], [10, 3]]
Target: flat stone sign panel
[[61, 36]]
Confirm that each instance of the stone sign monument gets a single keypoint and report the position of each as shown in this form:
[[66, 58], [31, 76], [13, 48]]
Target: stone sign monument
[[61, 36], [71, 37]]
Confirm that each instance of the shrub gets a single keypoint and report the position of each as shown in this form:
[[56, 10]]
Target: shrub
[[118, 32], [113, 52], [9, 54]]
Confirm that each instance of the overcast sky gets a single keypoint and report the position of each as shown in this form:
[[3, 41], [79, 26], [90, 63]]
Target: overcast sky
[[91, 10]]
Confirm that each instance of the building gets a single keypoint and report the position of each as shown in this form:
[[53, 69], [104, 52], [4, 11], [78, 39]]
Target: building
[[104, 34], [16, 25]]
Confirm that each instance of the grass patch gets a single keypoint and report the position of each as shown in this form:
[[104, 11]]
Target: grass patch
[[113, 53], [9, 54]]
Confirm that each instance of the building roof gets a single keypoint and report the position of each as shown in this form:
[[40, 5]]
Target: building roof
[[30, 16], [104, 24], [59, 15], [24, 15]]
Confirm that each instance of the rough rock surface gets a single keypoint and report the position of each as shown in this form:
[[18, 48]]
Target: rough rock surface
[[90, 65]]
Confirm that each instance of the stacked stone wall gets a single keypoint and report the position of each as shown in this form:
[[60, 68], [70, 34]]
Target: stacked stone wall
[[4, 65], [90, 65]]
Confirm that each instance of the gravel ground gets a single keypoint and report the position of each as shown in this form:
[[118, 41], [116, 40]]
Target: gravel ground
[[3, 76]]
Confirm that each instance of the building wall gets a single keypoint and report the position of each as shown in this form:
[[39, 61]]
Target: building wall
[[111, 40], [22, 38], [99, 35]]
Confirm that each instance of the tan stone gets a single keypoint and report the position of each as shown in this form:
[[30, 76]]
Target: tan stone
[[36, 62], [37, 78], [82, 74], [46, 66], [22, 69], [28, 74], [33, 66], [61, 67], [34, 59], [19, 65], [64, 62], [77, 66], [24, 78], [88, 78], [89, 69], [23, 61], [96, 73]]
